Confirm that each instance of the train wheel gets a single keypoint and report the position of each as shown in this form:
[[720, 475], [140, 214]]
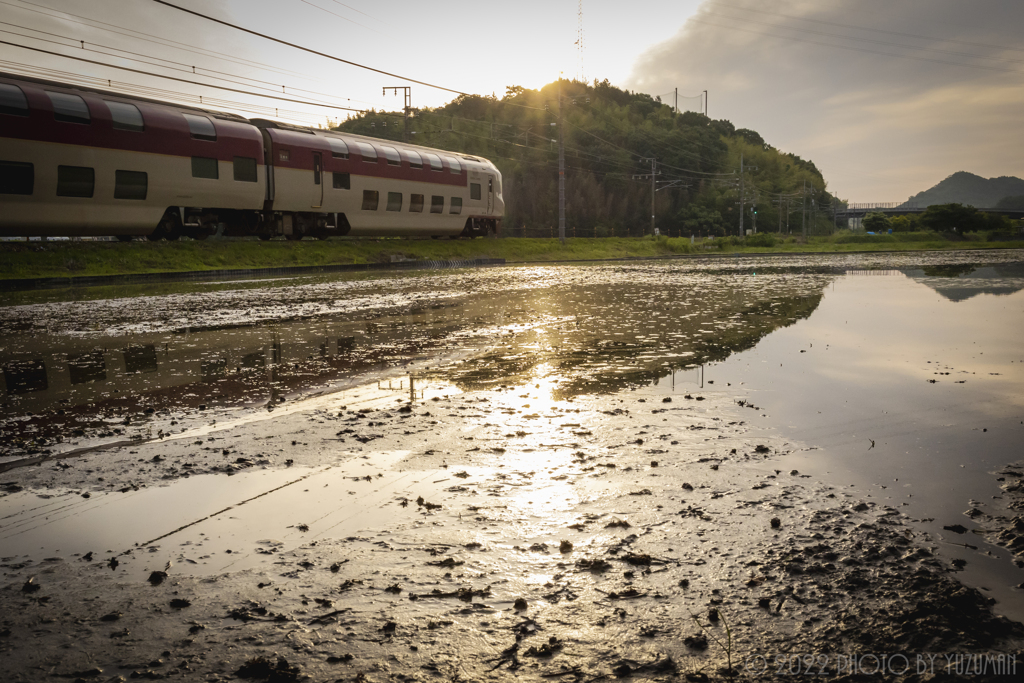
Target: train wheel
[[294, 237], [169, 228], [124, 238], [263, 237]]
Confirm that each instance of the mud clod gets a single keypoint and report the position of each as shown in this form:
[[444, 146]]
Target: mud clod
[[263, 669]]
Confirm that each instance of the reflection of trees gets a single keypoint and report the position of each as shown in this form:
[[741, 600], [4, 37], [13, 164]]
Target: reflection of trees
[[626, 337], [950, 270], [963, 281]]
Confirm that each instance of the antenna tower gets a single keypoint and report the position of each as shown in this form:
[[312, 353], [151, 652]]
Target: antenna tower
[[580, 76]]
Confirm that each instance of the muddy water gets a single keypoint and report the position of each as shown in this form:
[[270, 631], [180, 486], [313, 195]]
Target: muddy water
[[438, 433]]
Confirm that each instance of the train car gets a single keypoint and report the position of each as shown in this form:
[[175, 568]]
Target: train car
[[76, 161], [328, 182]]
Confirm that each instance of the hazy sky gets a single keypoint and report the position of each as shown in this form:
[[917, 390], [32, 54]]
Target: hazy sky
[[887, 97]]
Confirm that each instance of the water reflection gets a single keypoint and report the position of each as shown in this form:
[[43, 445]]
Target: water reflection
[[26, 376], [571, 330], [87, 367], [601, 339], [960, 282]]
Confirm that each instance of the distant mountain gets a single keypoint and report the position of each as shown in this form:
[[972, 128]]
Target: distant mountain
[[967, 188]]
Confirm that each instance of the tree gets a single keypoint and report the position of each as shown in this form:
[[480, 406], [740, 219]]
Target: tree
[[951, 217], [877, 222], [904, 223]]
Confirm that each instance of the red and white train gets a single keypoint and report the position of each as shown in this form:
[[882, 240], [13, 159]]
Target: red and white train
[[76, 161]]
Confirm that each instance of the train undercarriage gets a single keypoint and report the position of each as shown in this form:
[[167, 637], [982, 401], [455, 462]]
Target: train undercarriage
[[198, 224]]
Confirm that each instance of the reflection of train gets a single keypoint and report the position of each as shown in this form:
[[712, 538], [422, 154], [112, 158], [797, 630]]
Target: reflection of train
[[77, 161]]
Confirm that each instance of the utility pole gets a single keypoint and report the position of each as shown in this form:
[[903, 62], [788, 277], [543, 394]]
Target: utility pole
[[741, 194], [835, 202], [705, 103], [677, 100], [654, 230], [654, 188], [803, 210], [561, 167], [407, 99]]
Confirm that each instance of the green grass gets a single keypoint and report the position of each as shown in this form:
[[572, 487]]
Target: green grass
[[69, 259]]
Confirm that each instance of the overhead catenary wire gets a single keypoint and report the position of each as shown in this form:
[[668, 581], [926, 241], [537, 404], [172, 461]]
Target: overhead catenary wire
[[124, 88], [184, 68], [340, 16], [180, 80], [306, 49], [135, 34]]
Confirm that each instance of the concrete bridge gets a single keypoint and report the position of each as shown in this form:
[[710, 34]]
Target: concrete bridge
[[859, 210]]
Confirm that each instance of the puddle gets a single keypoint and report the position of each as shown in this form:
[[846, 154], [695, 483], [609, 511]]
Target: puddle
[[556, 472], [817, 354]]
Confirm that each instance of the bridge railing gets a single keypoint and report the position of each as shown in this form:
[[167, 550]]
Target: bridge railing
[[861, 206]]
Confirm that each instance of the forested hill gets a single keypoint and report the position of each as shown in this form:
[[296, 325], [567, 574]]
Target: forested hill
[[971, 189], [609, 134]]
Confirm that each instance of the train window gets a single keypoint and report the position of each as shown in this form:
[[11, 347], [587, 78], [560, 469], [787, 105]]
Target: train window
[[456, 206], [392, 156], [75, 181], [436, 204], [201, 127], [342, 181], [394, 201], [203, 167], [435, 162], [453, 165], [415, 161], [367, 152], [130, 185], [284, 154], [245, 169], [474, 190], [416, 203], [339, 150], [69, 108], [16, 177], [12, 100], [370, 200], [126, 116]]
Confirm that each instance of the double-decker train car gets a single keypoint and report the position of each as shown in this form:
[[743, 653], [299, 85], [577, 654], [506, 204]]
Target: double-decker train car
[[76, 161]]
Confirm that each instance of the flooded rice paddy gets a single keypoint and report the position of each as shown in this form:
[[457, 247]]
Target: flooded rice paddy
[[519, 472]]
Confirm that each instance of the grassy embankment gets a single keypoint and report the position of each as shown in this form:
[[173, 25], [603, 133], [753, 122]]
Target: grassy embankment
[[70, 259]]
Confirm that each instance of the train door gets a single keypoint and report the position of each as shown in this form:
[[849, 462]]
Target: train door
[[490, 193], [318, 178]]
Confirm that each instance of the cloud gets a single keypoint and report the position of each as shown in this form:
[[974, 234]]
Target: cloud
[[887, 98]]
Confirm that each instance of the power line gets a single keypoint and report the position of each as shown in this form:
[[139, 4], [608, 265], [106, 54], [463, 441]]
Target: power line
[[179, 80], [124, 88], [307, 2], [304, 49], [132, 33], [187, 67]]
